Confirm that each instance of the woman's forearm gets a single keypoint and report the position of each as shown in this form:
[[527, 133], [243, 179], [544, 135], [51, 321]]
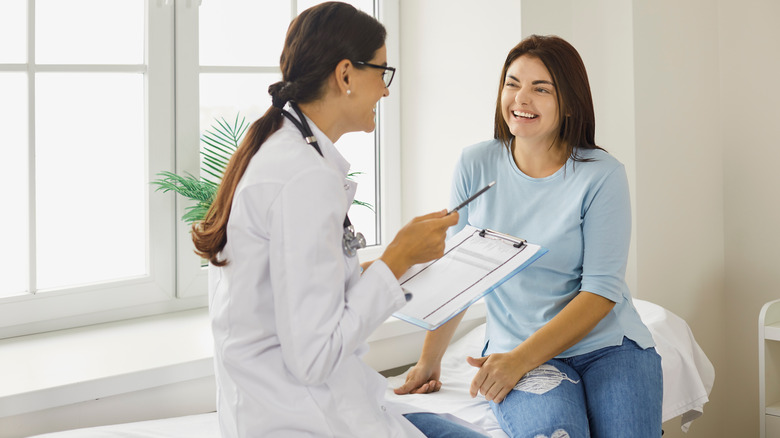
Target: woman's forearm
[[567, 328], [437, 341]]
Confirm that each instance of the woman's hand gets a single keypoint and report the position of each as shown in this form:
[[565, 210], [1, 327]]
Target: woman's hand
[[419, 241], [498, 374], [421, 379]]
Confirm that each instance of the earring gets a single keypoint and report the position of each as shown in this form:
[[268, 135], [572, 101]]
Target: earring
[[349, 92]]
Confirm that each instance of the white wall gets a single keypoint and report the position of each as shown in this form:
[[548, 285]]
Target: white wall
[[451, 58], [679, 179], [750, 128]]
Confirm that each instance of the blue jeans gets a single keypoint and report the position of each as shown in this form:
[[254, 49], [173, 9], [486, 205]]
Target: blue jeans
[[434, 426], [611, 392]]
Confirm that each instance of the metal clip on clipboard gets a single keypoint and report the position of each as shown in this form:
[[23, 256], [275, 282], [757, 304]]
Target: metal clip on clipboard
[[517, 243]]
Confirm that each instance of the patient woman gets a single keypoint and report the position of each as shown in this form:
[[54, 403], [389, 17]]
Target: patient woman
[[565, 352], [289, 308]]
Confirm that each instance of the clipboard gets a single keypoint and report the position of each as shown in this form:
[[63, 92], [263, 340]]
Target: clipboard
[[475, 262]]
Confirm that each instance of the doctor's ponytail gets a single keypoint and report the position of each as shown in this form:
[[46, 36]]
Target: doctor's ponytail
[[317, 40]]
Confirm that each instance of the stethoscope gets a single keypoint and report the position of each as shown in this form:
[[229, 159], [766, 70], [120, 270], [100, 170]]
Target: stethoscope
[[351, 242]]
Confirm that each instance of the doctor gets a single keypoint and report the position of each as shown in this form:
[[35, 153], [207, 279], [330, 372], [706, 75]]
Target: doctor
[[290, 309]]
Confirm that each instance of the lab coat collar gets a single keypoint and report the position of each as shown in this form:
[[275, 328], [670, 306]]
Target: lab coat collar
[[329, 151]]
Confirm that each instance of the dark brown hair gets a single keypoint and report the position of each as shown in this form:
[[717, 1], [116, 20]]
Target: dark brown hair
[[575, 103], [317, 40]]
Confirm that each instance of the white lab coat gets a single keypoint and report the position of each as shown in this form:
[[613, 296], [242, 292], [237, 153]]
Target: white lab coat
[[290, 312]]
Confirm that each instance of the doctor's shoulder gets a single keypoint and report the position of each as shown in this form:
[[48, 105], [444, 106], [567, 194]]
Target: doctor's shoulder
[[283, 154]]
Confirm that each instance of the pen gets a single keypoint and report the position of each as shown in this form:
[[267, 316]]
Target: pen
[[472, 197]]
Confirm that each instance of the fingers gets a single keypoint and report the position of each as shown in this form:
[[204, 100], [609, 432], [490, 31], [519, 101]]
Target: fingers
[[441, 219], [411, 384], [404, 389], [491, 389], [495, 393], [434, 215], [428, 387], [411, 387], [476, 362], [489, 381], [476, 383], [420, 380], [502, 395], [447, 220], [419, 241], [436, 232], [479, 379]]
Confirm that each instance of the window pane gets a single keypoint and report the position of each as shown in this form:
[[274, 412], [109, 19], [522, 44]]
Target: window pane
[[366, 6], [14, 220], [224, 94], [91, 178], [13, 31], [242, 32], [358, 149], [89, 31]]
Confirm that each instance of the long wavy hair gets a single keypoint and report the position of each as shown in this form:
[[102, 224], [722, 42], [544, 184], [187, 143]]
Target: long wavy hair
[[317, 40], [575, 103]]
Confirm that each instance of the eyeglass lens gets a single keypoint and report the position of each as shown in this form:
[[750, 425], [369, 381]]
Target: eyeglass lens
[[387, 76]]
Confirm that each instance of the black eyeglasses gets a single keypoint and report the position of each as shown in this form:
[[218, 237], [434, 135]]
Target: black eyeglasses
[[385, 77]]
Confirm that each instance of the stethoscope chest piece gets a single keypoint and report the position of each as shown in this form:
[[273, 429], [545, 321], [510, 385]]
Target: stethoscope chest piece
[[352, 242]]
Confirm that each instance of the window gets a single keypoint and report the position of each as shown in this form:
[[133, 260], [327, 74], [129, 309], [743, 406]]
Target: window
[[97, 99]]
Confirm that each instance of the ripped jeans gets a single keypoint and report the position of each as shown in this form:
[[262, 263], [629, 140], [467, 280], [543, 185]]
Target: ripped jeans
[[613, 392]]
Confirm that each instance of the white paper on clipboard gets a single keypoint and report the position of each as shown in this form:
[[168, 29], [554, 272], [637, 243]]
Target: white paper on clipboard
[[475, 262]]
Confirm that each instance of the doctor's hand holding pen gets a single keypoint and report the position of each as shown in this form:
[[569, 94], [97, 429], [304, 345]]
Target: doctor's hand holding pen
[[419, 241]]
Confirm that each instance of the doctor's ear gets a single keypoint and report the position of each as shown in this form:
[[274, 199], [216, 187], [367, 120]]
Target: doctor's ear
[[343, 74]]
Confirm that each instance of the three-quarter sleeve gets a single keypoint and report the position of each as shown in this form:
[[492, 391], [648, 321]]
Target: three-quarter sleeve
[[606, 228]]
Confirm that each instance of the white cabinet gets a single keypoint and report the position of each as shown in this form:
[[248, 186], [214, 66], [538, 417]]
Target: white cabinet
[[772, 426], [769, 369]]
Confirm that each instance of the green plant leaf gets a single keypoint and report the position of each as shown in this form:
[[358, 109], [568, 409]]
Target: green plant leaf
[[188, 186], [218, 144], [363, 204]]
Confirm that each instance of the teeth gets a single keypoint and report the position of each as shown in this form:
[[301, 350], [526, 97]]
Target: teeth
[[524, 114]]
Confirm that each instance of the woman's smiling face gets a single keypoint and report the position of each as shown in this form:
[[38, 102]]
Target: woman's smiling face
[[529, 101]]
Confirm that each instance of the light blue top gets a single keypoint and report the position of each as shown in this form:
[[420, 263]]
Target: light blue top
[[582, 214]]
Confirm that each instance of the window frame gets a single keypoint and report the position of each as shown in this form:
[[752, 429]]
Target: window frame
[[39, 311], [176, 280]]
